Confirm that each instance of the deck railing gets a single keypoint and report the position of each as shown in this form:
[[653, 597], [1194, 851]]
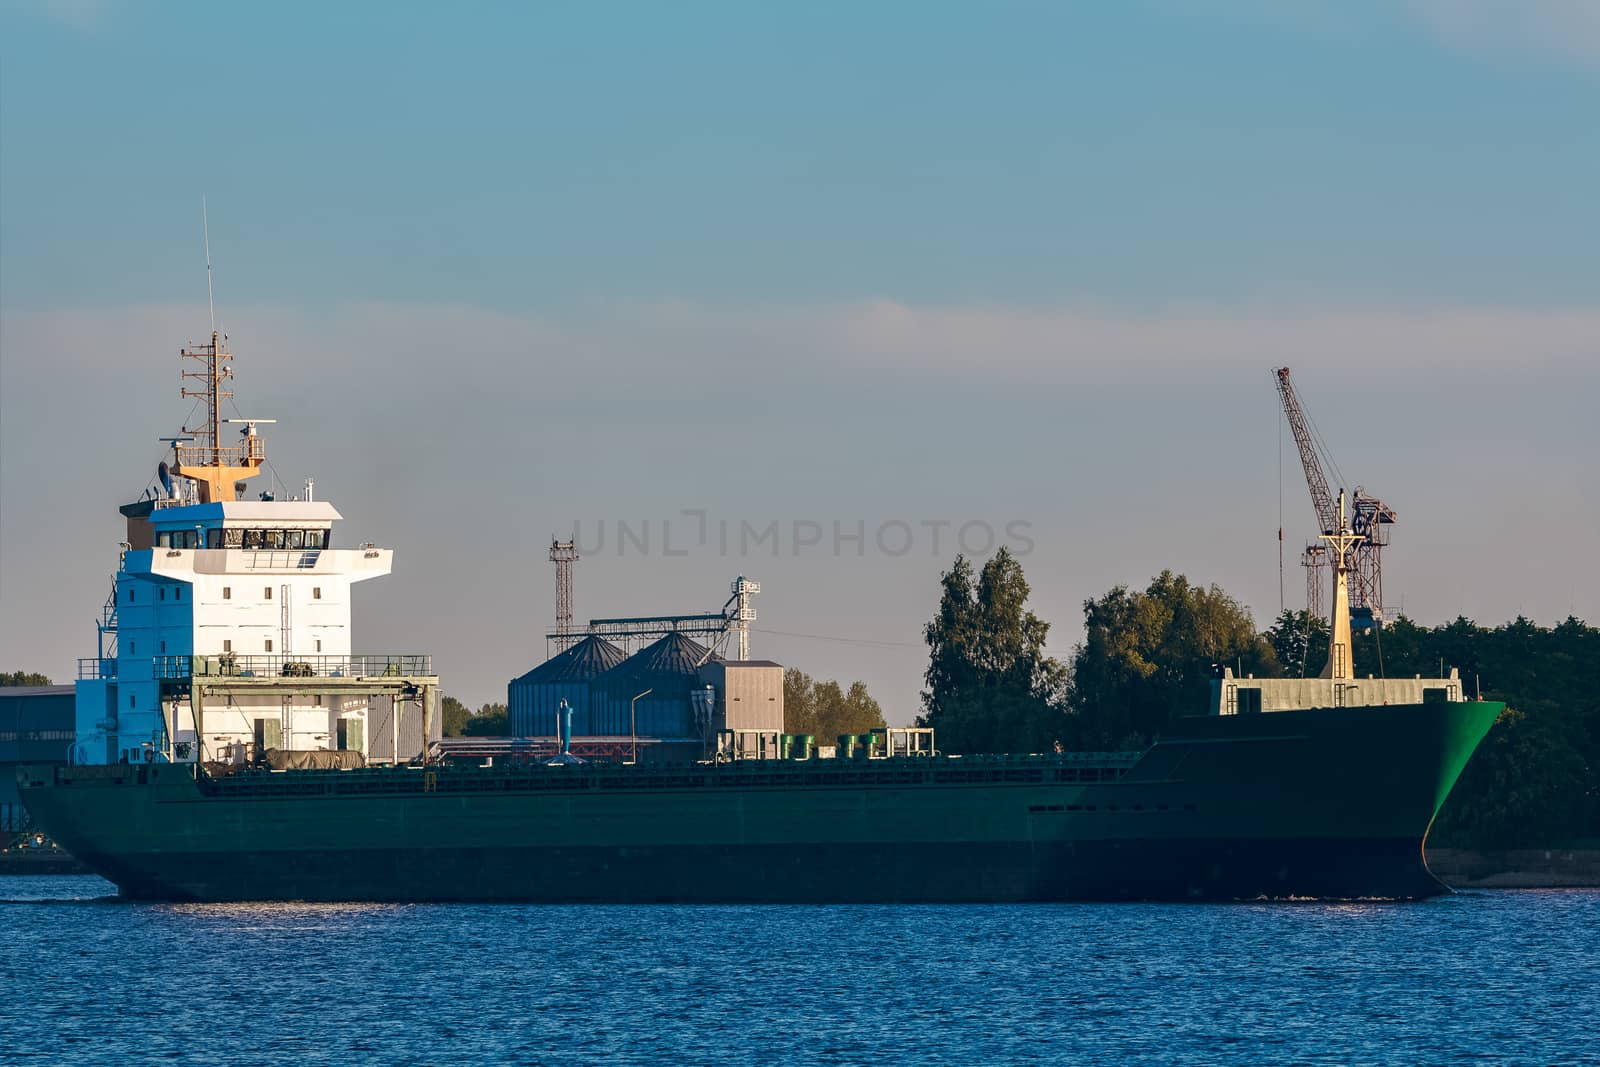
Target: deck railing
[[361, 665], [228, 455], [97, 667]]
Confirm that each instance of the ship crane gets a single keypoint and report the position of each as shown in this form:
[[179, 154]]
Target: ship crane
[[1369, 519]]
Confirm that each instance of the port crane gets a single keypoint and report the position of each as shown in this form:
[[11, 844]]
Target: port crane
[[1369, 521]]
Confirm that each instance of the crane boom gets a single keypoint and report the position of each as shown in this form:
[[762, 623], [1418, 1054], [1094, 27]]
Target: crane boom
[[1321, 498], [1369, 524]]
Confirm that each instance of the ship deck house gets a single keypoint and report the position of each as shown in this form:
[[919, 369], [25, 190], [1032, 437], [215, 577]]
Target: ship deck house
[[228, 634]]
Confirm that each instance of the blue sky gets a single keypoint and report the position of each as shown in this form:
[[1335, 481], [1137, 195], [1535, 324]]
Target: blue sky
[[541, 154], [524, 265]]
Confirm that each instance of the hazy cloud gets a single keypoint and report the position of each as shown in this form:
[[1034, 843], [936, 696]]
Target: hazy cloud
[[1562, 27], [78, 14], [663, 342]]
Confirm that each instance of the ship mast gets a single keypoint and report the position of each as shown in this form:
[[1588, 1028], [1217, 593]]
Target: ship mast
[[1340, 539], [214, 469]]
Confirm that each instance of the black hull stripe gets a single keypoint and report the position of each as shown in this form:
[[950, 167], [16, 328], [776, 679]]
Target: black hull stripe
[[878, 873]]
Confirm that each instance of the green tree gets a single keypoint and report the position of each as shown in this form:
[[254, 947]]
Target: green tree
[[1527, 785], [490, 720], [1299, 642], [990, 686], [455, 715], [1148, 657], [799, 702], [825, 709], [9, 679]]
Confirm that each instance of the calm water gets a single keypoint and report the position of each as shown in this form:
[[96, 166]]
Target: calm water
[[1489, 977]]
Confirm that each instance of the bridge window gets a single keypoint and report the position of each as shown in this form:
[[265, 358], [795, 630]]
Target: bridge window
[[294, 539], [232, 538], [213, 538], [252, 538], [272, 538], [316, 538]]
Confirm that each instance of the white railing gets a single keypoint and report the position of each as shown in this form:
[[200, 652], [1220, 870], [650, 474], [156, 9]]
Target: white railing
[[360, 665]]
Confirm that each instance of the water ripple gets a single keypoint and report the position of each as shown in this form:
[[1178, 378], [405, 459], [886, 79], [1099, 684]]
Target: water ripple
[[1486, 977]]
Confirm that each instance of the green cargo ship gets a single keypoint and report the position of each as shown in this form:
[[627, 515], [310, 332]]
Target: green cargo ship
[[1326, 803], [238, 758]]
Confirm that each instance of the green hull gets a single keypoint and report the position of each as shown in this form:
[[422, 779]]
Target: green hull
[[1325, 803]]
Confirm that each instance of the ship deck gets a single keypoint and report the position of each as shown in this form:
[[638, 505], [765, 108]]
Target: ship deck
[[1067, 768]]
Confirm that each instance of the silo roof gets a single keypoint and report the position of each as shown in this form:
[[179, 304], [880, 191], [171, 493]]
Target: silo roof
[[674, 655], [589, 657]]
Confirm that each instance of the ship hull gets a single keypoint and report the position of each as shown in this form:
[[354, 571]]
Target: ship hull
[[1206, 869], [1311, 804]]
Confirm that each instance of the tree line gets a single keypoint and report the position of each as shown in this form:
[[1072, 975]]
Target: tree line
[[826, 709], [490, 720], [1147, 657]]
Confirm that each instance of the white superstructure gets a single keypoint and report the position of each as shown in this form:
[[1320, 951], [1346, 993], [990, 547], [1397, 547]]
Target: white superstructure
[[228, 630]]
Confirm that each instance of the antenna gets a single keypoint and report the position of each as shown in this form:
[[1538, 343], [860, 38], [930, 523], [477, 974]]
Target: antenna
[[205, 227]]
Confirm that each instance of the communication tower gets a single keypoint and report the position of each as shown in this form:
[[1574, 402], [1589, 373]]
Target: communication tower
[[563, 554]]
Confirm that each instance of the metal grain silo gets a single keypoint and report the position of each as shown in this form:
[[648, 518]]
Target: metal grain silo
[[668, 668], [532, 699]]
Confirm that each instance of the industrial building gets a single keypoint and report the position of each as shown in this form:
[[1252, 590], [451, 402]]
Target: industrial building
[[36, 726], [667, 702], [676, 698]]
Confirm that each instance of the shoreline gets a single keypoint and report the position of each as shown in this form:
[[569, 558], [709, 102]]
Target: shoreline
[[39, 861], [1519, 868]]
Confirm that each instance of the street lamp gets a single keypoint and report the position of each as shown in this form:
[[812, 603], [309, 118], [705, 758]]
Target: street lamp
[[633, 723]]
